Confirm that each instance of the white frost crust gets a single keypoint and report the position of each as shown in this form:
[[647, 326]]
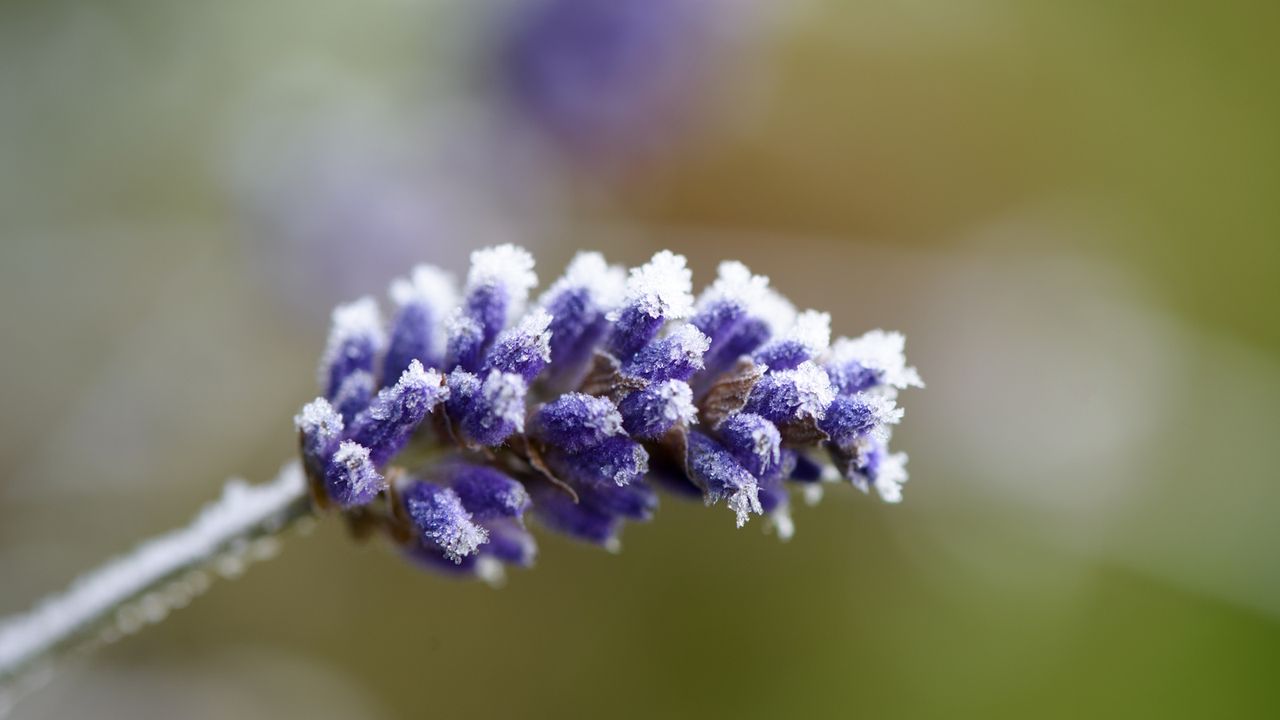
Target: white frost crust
[[764, 448], [469, 536], [691, 341], [92, 597], [662, 287], [416, 377], [881, 351], [461, 324], [603, 417], [890, 476], [318, 419], [427, 285], [605, 283], [885, 411], [504, 393], [813, 386], [507, 266], [744, 501], [533, 326], [812, 329], [776, 311], [735, 283], [353, 456], [357, 319], [678, 404]]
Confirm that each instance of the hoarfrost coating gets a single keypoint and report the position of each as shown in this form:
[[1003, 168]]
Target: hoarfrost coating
[[578, 407]]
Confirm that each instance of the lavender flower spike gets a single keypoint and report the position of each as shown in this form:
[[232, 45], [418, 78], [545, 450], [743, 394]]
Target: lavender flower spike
[[564, 411]]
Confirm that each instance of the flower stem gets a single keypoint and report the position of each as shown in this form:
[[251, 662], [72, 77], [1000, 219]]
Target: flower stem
[[142, 587]]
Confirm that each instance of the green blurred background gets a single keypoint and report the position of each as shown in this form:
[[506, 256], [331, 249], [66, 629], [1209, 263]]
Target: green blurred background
[[1070, 208]]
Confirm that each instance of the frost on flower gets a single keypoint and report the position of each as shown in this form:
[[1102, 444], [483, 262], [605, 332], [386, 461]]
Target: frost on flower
[[441, 520], [662, 287], [356, 338], [507, 267], [807, 339], [483, 415], [351, 478], [423, 303], [791, 395], [525, 349], [656, 292], [876, 358], [579, 304]]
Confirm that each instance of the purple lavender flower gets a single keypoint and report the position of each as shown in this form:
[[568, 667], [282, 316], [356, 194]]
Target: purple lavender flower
[[739, 403], [497, 287], [440, 520], [753, 441], [387, 424], [356, 338], [578, 304], [606, 79], [649, 413], [656, 292], [523, 350], [417, 333], [575, 422], [351, 478]]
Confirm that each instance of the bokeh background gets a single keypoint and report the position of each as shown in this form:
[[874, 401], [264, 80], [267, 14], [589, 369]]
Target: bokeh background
[[1071, 209]]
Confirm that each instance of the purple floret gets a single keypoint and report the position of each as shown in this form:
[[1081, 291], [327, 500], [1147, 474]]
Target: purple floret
[[575, 422], [439, 518], [485, 492], [390, 420], [350, 478], [649, 413], [753, 441], [719, 475]]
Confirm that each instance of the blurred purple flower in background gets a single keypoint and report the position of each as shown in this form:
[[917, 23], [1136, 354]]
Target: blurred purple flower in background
[[609, 81]]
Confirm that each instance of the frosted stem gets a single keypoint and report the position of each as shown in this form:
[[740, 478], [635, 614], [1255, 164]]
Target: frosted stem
[[160, 575]]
